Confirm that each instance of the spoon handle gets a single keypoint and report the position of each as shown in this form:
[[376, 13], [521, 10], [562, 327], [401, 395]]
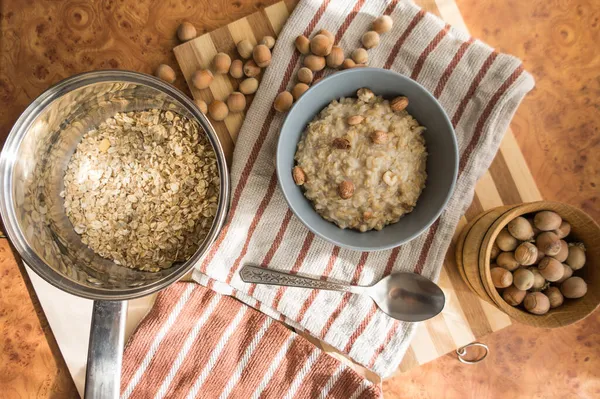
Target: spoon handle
[[261, 275]]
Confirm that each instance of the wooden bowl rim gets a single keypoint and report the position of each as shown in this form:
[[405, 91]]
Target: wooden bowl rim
[[485, 253], [460, 244]]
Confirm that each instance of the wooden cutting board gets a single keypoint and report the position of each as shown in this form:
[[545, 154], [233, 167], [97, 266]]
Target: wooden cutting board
[[465, 317]]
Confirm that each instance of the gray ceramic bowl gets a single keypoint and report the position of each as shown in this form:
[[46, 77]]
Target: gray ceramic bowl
[[442, 161]]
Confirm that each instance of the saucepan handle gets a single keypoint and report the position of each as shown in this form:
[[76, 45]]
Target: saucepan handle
[[105, 351]]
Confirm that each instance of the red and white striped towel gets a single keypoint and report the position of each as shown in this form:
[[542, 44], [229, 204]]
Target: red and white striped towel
[[480, 90], [196, 343]]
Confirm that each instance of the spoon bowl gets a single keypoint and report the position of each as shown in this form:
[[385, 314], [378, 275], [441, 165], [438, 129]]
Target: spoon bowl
[[407, 296]]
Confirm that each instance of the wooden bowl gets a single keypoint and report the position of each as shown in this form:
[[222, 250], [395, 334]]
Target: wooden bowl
[[476, 251]]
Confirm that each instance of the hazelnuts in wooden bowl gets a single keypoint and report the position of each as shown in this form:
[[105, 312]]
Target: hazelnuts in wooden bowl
[[537, 262]]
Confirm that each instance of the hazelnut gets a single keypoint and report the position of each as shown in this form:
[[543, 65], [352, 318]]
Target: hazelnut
[[335, 57], [523, 279], [576, 257], [540, 256], [495, 251], [520, 228], [186, 31], [244, 48], [554, 296], [568, 273], [237, 69], [547, 220], [379, 137], [360, 56], [261, 55], [326, 33], [505, 241], [501, 278], [202, 78], [539, 282], [399, 103], [563, 230], [389, 178], [346, 189], [221, 63], [367, 215], [298, 175], [236, 102], [341, 143], [513, 296], [298, 90], [355, 120], [526, 254], [365, 95], [536, 303], [283, 102], [348, 64], [251, 69], [268, 41], [551, 269], [165, 73], [218, 110], [548, 243], [536, 231], [314, 62], [320, 45], [370, 39], [248, 86], [302, 44], [202, 105], [507, 261], [383, 24], [305, 75], [562, 255], [573, 288]]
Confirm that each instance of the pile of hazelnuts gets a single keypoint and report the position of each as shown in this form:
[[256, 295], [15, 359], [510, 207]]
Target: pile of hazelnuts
[[535, 264], [321, 51], [254, 58]]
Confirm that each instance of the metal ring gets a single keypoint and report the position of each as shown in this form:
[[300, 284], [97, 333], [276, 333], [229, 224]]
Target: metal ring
[[463, 351]]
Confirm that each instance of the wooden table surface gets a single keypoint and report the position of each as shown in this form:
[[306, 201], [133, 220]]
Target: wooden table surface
[[557, 127]]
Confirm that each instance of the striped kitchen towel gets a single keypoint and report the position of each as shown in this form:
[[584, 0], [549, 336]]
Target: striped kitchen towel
[[196, 343], [480, 90]]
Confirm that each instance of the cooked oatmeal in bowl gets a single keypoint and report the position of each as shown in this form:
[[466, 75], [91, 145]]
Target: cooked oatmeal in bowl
[[425, 187], [362, 161]]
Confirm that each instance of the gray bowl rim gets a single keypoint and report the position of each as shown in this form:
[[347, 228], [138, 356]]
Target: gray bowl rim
[[306, 97]]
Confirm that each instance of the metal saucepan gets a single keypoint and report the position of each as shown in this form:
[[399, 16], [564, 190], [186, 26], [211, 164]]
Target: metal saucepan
[[32, 166]]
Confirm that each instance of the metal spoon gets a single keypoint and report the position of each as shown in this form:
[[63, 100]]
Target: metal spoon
[[403, 296]]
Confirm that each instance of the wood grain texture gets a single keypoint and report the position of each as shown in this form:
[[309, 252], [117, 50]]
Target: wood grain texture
[[557, 129], [38, 48], [524, 362], [30, 363], [558, 123], [42, 42]]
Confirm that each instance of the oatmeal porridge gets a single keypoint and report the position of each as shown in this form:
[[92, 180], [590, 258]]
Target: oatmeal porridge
[[142, 189], [361, 161]]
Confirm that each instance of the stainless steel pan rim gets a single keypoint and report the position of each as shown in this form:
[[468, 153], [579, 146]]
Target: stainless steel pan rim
[[7, 206]]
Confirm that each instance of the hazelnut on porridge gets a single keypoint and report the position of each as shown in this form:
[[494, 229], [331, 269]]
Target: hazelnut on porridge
[[361, 161]]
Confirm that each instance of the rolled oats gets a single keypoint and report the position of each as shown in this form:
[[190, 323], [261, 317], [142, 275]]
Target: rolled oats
[[142, 189]]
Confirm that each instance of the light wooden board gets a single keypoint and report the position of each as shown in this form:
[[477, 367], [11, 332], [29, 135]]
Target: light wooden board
[[466, 317]]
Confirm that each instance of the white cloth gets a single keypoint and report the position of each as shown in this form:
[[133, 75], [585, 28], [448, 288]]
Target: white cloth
[[480, 91]]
